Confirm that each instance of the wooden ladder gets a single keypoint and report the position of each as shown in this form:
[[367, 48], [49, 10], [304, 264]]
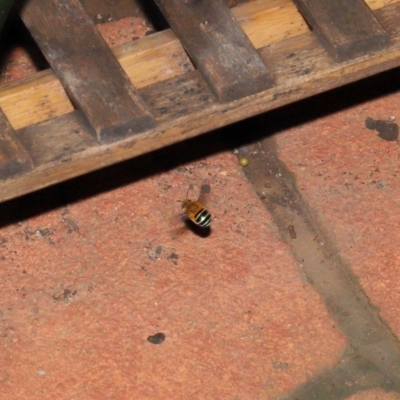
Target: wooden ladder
[[98, 106]]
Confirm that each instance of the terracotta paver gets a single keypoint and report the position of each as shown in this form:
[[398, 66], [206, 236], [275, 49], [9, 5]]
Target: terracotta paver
[[238, 318]]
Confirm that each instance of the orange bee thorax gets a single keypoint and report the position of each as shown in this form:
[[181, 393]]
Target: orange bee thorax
[[191, 206], [196, 212]]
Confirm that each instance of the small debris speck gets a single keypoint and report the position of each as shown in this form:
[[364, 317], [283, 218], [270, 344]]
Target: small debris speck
[[43, 232], [72, 226], [205, 189], [370, 123], [159, 249], [158, 338], [292, 232], [61, 295], [244, 162], [387, 130]]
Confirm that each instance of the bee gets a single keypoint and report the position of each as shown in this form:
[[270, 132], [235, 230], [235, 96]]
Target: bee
[[195, 211]]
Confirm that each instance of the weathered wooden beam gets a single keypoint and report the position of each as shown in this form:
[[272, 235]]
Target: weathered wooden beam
[[62, 147], [218, 46], [14, 159], [347, 29], [87, 68]]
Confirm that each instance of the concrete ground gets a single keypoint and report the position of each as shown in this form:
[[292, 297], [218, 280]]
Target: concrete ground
[[293, 294]]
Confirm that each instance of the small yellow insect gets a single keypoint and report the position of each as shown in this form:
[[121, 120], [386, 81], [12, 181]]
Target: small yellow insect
[[196, 212]]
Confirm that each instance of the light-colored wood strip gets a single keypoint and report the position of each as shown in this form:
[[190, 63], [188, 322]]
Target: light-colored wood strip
[[33, 99], [268, 22], [153, 59]]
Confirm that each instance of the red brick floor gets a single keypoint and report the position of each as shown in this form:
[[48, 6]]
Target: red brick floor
[[88, 275]]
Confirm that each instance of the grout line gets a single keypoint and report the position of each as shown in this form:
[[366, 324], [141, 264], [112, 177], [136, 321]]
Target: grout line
[[346, 301]]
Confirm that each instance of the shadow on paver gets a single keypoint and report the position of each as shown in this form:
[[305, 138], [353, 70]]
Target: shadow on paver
[[353, 374]]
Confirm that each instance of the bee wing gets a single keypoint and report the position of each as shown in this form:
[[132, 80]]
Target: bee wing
[[177, 223]]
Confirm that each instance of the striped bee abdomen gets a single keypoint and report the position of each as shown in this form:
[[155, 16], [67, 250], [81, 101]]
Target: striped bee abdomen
[[203, 218]]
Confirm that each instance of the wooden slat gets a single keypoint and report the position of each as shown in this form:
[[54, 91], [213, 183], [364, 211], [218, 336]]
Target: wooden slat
[[218, 46], [14, 159], [185, 106], [348, 29], [88, 70]]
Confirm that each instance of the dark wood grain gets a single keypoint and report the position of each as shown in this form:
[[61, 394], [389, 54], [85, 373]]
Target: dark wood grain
[[47, 144], [347, 29], [87, 68], [218, 46], [14, 159]]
